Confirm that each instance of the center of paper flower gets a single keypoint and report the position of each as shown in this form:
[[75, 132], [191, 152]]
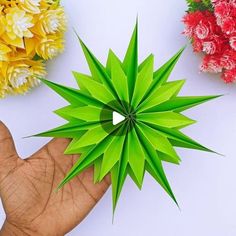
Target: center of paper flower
[[117, 115], [131, 117]]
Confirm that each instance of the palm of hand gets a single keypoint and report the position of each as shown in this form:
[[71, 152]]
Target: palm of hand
[[27, 189]]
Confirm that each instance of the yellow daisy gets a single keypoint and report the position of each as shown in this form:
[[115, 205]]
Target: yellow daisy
[[49, 47], [18, 23], [2, 22], [29, 30], [52, 21], [4, 50], [3, 85], [23, 75], [38, 71], [31, 6]]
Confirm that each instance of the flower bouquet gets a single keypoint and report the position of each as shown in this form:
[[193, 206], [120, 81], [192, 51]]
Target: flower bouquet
[[211, 27], [31, 32]]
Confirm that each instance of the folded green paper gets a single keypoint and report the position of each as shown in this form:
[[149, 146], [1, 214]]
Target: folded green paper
[[151, 112]]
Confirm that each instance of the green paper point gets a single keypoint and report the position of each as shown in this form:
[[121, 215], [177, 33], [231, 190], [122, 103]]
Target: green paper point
[[152, 121]]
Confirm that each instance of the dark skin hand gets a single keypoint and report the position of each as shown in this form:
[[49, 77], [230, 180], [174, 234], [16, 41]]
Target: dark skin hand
[[27, 187]]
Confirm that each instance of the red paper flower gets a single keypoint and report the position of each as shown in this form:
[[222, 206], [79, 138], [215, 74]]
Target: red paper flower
[[211, 26]]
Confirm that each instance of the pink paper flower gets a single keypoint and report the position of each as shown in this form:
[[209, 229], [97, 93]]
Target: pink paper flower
[[222, 9], [213, 32], [212, 45], [228, 25], [228, 60], [202, 30], [191, 20], [229, 76], [211, 64], [232, 42]]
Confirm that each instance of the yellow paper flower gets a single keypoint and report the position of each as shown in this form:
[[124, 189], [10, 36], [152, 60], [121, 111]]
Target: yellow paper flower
[[50, 47], [31, 6], [52, 21], [31, 32], [4, 50], [3, 85], [22, 76], [2, 23], [18, 23]]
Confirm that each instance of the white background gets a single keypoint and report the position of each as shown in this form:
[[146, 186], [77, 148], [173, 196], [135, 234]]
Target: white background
[[204, 184]]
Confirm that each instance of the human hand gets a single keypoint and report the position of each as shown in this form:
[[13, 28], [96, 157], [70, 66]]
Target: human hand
[[27, 190]]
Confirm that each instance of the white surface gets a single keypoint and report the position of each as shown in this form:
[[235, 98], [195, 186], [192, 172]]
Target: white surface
[[204, 183], [117, 118]]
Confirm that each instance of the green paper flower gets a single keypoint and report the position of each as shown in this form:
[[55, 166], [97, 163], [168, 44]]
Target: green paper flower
[[149, 131]]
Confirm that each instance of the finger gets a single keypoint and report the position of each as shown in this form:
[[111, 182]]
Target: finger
[[95, 191], [87, 194], [8, 154], [56, 148]]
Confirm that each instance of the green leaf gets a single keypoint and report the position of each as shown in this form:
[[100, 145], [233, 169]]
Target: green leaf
[[166, 119], [159, 142], [180, 104], [119, 78], [119, 174], [155, 164], [134, 178], [202, 5], [161, 95], [130, 63], [97, 69], [98, 90], [92, 136], [167, 158], [86, 160], [136, 156], [63, 112], [79, 79], [145, 61], [178, 139], [97, 169], [69, 130], [162, 74], [111, 54], [112, 155], [143, 81], [91, 114], [73, 96]]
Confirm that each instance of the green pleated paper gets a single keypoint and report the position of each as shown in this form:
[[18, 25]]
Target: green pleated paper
[[152, 121]]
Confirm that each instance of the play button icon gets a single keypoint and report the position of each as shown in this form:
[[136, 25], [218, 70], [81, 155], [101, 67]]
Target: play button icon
[[117, 118], [111, 118]]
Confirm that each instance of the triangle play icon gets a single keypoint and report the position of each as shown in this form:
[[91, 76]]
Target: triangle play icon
[[117, 118]]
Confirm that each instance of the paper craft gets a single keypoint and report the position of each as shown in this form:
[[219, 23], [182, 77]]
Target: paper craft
[[125, 119], [210, 26], [31, 32]]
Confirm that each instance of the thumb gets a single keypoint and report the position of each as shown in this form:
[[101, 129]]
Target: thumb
[[8, 154]]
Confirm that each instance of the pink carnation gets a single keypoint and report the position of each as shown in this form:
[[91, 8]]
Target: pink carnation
[[229, 76], [191, 20], [228, 60], [202, 30], [211, 64], [228, 25], [214, 34], [232, 42], [212, 45], [222, 9], [197, 45]]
